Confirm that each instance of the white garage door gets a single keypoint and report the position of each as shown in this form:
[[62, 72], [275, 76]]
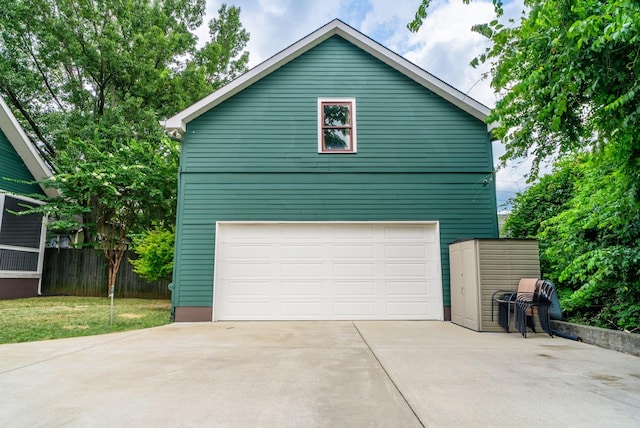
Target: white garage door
[[327, 271]]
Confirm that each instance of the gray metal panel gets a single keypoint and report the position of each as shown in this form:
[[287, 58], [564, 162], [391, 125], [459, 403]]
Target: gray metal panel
[[502, 263]]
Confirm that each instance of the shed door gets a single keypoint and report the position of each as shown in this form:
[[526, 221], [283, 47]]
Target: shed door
[[327, 271]]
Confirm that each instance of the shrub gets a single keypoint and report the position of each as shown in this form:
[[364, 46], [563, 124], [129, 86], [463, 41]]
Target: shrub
[[155, 254]]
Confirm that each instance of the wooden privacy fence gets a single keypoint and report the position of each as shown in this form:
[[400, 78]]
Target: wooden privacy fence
[[85, 272]]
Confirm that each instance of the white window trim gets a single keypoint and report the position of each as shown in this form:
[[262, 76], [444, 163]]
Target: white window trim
[[43, 234], [354, 139]]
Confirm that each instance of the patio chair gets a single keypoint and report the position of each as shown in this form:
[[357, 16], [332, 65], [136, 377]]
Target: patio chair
[[528, 304], [505, 300]]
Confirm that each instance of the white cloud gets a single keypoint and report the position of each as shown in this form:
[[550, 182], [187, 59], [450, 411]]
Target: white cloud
[[445, 45], [273, 25], [274, 7]]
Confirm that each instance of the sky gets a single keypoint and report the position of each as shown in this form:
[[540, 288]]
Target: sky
[[444, 46]]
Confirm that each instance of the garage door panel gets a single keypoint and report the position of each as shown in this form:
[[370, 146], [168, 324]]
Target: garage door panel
[[244, 252], [353, 270], [417, 271], [354, 288], [408, 308], [248, 232], [327, 271], [298, 288], [407, 288], [433, 271], [404, 252], [302, 309], [248, 270], [302, 270], [301, 232], [353, 252], [311, 252], [242, 309], [354, 310], [348, 232], [242, 289], [405, 232]]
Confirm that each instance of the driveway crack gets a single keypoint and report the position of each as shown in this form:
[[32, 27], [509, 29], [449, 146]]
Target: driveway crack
[[387, 374]]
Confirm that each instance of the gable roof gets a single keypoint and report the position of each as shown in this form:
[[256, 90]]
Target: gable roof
[[23, 146], [179, 122]]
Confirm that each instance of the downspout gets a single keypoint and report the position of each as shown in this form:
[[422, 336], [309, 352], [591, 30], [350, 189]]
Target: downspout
[[43, 239]]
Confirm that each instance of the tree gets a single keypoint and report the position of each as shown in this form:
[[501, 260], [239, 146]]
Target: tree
[[90, 80], [125, 188], [588, 227], [567, 75], [594, 246], [544, 199], [154, 248], [568, 78], [64, 64]]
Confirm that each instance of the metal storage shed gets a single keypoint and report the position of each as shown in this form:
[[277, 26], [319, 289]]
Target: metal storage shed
[[481, 266]]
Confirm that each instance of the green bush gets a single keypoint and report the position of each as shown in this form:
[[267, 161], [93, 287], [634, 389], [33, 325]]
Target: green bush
[[155, 254], [589, 239]]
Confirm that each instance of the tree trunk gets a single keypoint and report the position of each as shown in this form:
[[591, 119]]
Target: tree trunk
[[114, 248], [114, 266]]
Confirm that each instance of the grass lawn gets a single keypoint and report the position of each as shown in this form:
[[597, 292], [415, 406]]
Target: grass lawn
[[43, 318]]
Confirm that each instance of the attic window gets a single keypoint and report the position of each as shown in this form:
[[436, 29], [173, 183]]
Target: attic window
[[337, 125]]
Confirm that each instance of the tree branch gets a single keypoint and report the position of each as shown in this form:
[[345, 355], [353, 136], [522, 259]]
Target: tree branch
[[50, 152], [44, 77]]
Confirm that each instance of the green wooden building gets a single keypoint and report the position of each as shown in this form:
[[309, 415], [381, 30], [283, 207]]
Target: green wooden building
[[22, 238], [327, 183]]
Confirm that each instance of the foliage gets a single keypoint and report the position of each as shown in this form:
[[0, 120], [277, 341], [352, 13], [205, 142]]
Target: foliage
[[90, 81], [155, 253], [568, 78], [589, 233], [108, 70], [45, 318], [544, 199], [421, 13], [567, 75], [67, 67], [120, 186], [595, 248]]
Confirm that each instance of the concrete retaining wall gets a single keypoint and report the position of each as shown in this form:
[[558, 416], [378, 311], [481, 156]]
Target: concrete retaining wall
[[610, 339]]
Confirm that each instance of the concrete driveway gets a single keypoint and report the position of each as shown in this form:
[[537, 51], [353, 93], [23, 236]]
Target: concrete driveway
[[317, 374]]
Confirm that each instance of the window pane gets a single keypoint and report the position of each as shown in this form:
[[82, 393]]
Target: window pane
[[337, 115], [337, 139]]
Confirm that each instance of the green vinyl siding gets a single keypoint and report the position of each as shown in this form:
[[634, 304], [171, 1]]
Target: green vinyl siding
[[401, 126], [13, 168], [462, 204], [254, 158]]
